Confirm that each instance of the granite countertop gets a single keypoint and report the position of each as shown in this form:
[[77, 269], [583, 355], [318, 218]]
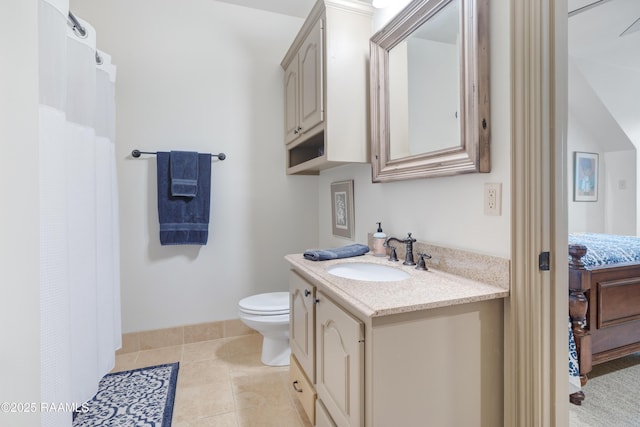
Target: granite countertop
[[423, 290]]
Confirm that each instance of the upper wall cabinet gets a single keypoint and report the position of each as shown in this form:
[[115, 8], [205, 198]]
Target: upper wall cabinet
[[303, 87], [325, 84]]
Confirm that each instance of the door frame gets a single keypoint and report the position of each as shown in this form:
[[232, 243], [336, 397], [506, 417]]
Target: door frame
[[536, 350]]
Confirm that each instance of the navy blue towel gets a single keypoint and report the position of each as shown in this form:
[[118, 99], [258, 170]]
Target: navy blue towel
[[184, 173], [348, 251], [184, 220]]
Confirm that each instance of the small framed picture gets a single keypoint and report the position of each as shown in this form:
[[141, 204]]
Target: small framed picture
[[342, 216], [585, 178]]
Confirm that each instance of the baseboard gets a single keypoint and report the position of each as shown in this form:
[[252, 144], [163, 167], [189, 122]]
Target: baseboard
[[167, 337]]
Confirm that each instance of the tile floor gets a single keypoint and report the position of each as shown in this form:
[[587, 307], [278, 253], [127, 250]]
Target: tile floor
[[222, 383]]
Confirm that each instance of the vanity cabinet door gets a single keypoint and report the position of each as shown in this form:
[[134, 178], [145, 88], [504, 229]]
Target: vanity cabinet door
[[323, 419], [301, 323], [339, 363]]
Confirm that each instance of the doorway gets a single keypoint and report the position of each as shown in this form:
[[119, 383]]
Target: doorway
[[536, 386]]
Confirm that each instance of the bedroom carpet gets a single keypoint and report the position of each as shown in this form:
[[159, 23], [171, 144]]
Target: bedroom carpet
[[140, 397], [611, 395]]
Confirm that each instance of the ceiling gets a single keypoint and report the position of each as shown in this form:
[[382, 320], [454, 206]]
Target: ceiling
[[595, 33], [605, 60], [604, 71], [299, 8]]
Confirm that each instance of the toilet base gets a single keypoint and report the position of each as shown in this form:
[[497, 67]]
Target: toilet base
[[275, 351]]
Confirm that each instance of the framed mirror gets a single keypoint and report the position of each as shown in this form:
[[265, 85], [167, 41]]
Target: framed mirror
[[429, 88]]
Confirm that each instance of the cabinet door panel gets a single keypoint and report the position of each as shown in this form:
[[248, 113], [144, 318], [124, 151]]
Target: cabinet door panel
[[311, 96], [291, 99], [339, 362], [323, 419], [301, 323]]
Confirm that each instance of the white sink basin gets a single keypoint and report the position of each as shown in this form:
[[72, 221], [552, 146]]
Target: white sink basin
[[367, 272]]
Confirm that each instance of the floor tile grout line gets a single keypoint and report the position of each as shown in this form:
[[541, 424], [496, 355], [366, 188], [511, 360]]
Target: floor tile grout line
[[228, 357], [233, 394]]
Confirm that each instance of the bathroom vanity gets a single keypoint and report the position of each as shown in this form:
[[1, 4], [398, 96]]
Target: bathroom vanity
[[423, 350]]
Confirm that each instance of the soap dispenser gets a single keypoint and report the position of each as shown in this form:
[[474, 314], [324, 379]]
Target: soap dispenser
[[378, 242]]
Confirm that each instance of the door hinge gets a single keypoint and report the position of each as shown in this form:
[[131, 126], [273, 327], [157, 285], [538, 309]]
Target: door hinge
[[543, 261]]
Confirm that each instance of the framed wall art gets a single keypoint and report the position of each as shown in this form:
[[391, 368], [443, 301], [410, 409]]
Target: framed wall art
[[342, 215], [585, 177]]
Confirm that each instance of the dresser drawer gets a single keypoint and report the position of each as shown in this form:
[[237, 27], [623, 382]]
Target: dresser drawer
[[303, 389]]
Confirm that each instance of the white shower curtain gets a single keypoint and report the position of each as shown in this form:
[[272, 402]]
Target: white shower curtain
[[79, 250]]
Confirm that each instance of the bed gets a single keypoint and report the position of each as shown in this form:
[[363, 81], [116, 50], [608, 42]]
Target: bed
[[604, 299]]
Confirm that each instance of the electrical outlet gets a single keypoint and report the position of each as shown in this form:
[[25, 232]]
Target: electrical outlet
[[493, 198], [622, 184]]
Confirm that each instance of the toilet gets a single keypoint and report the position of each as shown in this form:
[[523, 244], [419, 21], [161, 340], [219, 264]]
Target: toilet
[[269, 314]]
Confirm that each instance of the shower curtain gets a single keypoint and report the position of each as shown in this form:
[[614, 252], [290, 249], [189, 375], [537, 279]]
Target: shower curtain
[[79, 229]]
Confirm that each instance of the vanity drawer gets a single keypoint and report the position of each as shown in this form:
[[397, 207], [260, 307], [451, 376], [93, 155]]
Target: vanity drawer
[[303, 389]]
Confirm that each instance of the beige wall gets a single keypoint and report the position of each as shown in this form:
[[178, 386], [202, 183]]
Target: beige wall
[[203, 75], [446, 211], [19, 214], [595, 126], [206, 76], [620, 187], [199, 74], [615, 210]]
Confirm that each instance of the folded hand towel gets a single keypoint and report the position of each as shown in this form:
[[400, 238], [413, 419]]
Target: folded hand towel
[[184, 173], [184, 220], [348, 251]]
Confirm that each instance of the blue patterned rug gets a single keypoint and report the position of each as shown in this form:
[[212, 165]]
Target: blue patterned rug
[[141, 397]]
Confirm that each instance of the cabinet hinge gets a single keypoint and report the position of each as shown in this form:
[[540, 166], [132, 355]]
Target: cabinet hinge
[[543, 261]]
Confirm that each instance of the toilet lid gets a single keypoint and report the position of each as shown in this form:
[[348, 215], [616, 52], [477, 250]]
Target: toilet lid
[[271, 303]]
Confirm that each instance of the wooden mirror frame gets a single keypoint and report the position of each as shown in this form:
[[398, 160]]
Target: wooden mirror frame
[[473, 153]]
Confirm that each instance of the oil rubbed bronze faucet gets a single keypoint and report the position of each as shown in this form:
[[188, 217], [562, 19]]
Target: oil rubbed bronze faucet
[[408, 258]]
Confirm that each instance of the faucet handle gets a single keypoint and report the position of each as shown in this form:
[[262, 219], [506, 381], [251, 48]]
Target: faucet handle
[[421, 264], [410, 239], [392, 255]]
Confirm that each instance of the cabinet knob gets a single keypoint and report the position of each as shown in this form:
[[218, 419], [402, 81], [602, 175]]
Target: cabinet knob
[[307, 292], [316, 300]]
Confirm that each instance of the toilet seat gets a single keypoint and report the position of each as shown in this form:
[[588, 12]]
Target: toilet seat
[[268, 304]]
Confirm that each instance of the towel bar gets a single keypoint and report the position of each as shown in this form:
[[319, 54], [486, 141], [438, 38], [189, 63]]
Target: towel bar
[[137, 153]]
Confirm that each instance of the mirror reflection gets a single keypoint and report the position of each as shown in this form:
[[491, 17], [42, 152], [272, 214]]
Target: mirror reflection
[[430, 91], [426, 118]]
